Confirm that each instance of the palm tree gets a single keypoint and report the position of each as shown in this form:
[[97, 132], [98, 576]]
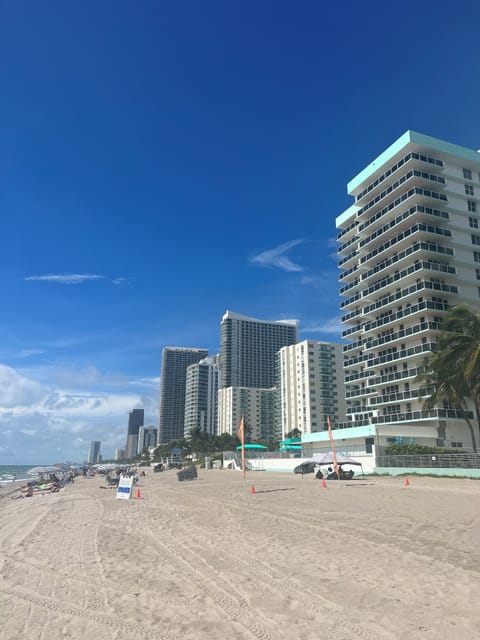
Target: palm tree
[[441, 383], [453, 371]]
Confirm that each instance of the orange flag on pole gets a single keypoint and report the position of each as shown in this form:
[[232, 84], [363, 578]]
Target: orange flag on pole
[[334, 453], [241, 437]]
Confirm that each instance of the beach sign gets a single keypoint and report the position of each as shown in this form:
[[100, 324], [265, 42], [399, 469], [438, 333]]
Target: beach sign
[[124, 489]]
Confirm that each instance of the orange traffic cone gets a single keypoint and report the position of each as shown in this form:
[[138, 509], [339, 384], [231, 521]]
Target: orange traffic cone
[[253, 489], [138, 494], [324, 484], [407, 482]]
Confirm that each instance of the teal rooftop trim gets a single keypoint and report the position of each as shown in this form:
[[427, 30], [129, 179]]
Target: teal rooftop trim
[[416, 138], [346, 215]]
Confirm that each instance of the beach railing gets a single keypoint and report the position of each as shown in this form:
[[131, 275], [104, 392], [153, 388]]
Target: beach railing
[[431, 461]]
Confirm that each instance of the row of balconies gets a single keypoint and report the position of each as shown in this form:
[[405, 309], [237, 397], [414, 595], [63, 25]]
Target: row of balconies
[[416, 228], [372, 361], [419, 246], [417, 208], [388, 339], [404, 293], [410, 416], [410, 309], [411, 175], [426, 265], [409, 158]]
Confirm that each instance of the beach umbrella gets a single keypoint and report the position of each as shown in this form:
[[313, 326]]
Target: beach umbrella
[[37, 471], [305, 467]]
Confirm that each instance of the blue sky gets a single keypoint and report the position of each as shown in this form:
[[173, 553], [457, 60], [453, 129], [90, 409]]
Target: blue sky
[[163, 162]]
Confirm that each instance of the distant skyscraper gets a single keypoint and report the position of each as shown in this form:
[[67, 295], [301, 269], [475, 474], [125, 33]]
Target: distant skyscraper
[[310, 387], [175, 361], [94, 452], [248, 351], [119, 454], [147, 437], [135, 421], [201, 396]]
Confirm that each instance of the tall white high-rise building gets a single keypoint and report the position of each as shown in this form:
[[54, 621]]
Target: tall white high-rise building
[[201, 390], [409, 250], [310, 387]]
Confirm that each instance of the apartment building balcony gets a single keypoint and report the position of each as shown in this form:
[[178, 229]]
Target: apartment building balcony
[[358, 375], [349, 286], [347, 261], [410, 310], [393, 398], [409, 161], [351, 301], [351, 273], [409, 352], [401, 335], [413, 182], [343, 247], [352, 346], [383, 219], [350, 316], [404, 294], [347, 333], [415, 215], [408, 276], [431, 414], [348, 232], [405, 374], [424, 249], [359, 393], [418, 232]]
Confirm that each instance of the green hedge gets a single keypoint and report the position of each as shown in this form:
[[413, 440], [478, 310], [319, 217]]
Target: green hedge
[[415, 449]]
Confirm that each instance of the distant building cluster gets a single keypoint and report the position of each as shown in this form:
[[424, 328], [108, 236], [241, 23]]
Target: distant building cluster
[[247, 378]]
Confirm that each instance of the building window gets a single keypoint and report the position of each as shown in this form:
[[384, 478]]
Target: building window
[[472, 206], [475, 239], [469, 190], [467, 174], [477, 272], [473, 222], [476, 256], [457, 445]]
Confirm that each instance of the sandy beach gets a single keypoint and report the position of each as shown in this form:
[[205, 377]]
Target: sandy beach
[[368, 559]]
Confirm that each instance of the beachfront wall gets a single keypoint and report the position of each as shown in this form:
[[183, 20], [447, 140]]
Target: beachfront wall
[[429, 471]]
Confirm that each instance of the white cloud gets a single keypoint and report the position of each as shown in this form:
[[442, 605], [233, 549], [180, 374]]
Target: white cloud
[[120, 281], [276, 257], [17, 390], [332, 325], [44, 423], [28, 353], [66, 278]]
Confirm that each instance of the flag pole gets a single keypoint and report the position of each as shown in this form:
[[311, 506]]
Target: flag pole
[[241, 437], [332, 442]]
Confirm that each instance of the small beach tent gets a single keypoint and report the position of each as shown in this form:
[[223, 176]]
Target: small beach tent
[[251, 447], [327, 458]]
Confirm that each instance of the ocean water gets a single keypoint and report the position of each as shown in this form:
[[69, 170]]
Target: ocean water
[[19, 471]]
